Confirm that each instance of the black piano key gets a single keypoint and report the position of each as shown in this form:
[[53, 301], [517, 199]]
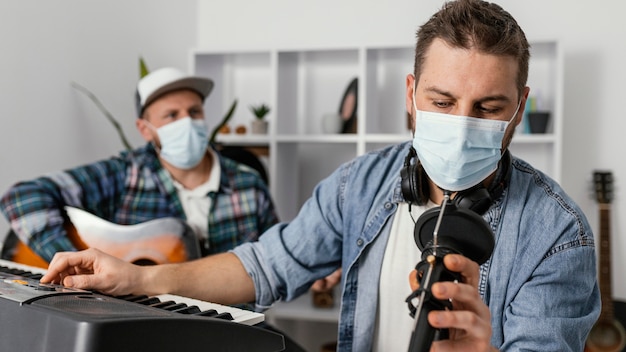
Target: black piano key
[[175, 306], [163, 304], [14, 271], [188, 310], [133, 298], [33, 276], [148, 301], [225, 316], [207, 313]]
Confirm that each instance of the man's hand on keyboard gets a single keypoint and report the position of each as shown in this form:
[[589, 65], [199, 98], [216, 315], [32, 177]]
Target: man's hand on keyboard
[[95, 270], [219, 278]]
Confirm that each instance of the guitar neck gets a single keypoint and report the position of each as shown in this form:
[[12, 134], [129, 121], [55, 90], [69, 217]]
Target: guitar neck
[[606, 287]]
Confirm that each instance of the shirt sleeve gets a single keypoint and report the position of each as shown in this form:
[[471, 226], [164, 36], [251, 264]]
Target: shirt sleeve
[[35, 208]]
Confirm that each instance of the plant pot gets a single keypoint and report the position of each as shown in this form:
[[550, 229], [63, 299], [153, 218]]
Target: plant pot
[[259, 127], [538, 121]]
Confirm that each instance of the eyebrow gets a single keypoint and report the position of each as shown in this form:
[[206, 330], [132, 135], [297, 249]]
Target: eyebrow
[[489, 98]]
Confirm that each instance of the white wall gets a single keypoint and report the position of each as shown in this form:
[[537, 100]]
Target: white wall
[[591, 33], [47, 44], [46, 124]]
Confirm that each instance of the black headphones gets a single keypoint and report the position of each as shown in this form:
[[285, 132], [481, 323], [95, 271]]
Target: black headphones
[[416, 191], [465, 231]]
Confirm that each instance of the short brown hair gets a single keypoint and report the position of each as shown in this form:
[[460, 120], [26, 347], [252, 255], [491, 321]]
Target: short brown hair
[[475, 24]]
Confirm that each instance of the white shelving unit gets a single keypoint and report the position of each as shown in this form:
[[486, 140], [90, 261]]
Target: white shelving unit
[[301, 86]]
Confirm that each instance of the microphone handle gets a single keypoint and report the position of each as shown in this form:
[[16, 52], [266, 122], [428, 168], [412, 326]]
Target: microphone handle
[[424, 334]]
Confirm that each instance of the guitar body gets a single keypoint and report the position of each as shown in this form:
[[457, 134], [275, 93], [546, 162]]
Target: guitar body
[[606, 337], [158, 241], [22, 254], [607, 334]]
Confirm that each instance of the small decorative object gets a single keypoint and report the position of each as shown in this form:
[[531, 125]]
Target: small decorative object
[[538, 121], [347, 107], [332, 123], [224, 129], [240, 129], [259, 124], [323, 299]]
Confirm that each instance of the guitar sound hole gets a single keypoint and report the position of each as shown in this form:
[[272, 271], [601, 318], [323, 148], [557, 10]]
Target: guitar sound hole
[[606, 337], [144, 262]]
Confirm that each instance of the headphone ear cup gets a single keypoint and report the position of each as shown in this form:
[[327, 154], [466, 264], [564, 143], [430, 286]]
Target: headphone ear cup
[[410, 184], [476, 199]]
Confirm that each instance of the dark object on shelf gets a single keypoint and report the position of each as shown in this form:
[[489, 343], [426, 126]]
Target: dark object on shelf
[[538, 121], [246, 157], [348, 106]]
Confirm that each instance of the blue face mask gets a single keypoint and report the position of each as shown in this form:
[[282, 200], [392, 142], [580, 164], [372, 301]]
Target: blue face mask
[[183, 142], [458, 152]]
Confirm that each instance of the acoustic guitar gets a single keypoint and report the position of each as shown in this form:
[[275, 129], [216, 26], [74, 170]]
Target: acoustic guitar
[[608, 334], [159, 241]]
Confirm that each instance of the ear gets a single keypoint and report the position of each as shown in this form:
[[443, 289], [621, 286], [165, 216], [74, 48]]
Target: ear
[[145, 130], [520, 112], [410, 87]]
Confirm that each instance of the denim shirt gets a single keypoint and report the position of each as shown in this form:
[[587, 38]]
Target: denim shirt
[[540, 282]]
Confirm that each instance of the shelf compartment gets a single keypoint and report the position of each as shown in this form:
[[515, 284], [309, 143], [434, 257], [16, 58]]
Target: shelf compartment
[[311, 85], [244, 76], [300, 165], [385, 82]]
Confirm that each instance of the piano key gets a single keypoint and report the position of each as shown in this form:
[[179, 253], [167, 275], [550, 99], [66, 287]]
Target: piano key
[[188, 310], [175, 306], [148, 301], [225, 316], [133, 298], [207, 313], [163, 304], [239, 315]]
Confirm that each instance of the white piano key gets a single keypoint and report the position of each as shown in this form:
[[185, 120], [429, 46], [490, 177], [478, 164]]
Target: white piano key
[[239, 315]]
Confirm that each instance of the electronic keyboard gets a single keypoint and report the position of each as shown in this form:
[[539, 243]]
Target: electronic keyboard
[[54, 318]]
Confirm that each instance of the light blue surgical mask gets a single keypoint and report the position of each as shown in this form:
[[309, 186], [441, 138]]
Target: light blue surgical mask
[[183, 142], [458, 152]]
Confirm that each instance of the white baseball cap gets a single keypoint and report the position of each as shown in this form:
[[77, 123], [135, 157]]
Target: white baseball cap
[[165, 80]]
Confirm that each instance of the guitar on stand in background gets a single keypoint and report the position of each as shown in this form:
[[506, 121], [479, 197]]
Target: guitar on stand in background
[[608, 334]]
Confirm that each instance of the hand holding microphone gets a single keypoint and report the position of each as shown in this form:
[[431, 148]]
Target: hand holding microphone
[[448, 229]]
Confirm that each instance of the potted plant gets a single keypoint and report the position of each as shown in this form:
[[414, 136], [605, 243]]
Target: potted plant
[[259, 124]]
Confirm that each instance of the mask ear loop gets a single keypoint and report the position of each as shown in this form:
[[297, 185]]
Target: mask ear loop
[[519, 103], [414, 104], [153, 141]]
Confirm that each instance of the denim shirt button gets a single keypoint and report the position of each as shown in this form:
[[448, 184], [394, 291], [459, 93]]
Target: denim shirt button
[[359, 242], [388, 205]]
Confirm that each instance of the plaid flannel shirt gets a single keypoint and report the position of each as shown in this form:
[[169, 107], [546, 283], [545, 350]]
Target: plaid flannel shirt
[[133, 188]]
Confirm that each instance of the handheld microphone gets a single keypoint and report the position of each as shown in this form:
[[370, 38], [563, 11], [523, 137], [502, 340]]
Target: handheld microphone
[[463, 232]]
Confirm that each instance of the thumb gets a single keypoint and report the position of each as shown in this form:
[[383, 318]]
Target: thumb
[[413, 280]]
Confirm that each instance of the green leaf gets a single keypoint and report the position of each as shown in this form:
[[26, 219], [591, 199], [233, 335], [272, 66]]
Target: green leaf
[[143, 68], [106, 113], [260, 111], [227, 117]]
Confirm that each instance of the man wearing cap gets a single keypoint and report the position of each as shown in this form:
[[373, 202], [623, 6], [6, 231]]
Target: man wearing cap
[[176, 174]]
